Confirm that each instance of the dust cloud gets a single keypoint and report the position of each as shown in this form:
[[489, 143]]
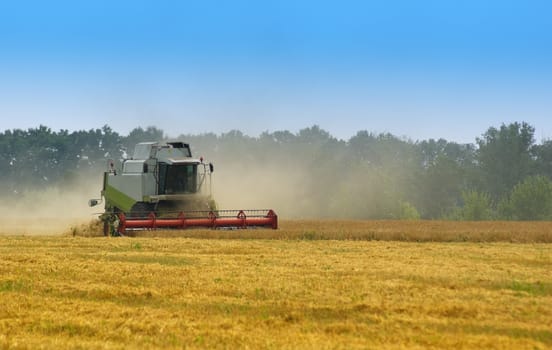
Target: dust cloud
[[268, 186], [295, 190], [51, 210], [236, 185]]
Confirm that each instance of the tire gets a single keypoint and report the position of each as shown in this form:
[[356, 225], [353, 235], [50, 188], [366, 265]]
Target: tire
[[106, 228]]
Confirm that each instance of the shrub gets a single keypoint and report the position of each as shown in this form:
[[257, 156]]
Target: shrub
[[407, 211], [529, 200], [477, 206]]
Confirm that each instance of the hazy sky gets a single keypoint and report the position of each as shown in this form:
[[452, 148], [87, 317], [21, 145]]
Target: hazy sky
[[421, 69]]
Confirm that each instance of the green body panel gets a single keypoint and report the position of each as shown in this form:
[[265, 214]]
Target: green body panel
[[116, 198]]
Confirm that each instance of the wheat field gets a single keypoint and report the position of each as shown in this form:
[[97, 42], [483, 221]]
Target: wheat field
[[300, 288]]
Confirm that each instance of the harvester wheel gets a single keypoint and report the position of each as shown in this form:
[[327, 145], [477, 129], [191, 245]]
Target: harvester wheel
[[110, 222], [106, 228], [107, 218]]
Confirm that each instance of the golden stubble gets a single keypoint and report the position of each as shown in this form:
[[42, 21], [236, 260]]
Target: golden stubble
[[198, 293]]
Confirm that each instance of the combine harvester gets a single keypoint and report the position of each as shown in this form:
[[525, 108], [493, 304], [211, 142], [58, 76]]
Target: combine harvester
[[163, 187]]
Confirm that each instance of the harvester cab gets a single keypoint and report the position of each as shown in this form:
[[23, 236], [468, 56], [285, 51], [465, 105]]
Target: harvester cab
[[163, 186]]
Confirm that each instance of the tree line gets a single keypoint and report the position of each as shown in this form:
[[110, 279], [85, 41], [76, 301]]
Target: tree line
[[503, 175]]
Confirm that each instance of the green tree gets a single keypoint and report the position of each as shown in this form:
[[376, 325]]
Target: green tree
[[382, 171], [477, 206], [529, 200], [504, 157], [441, 187], [446, 171], [543, 158], [137, 135], [407, 211]]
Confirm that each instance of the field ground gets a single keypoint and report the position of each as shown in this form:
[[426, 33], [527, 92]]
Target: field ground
[[306, 291]]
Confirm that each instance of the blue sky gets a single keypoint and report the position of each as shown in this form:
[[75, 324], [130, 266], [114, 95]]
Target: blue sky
[[420, 69]]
